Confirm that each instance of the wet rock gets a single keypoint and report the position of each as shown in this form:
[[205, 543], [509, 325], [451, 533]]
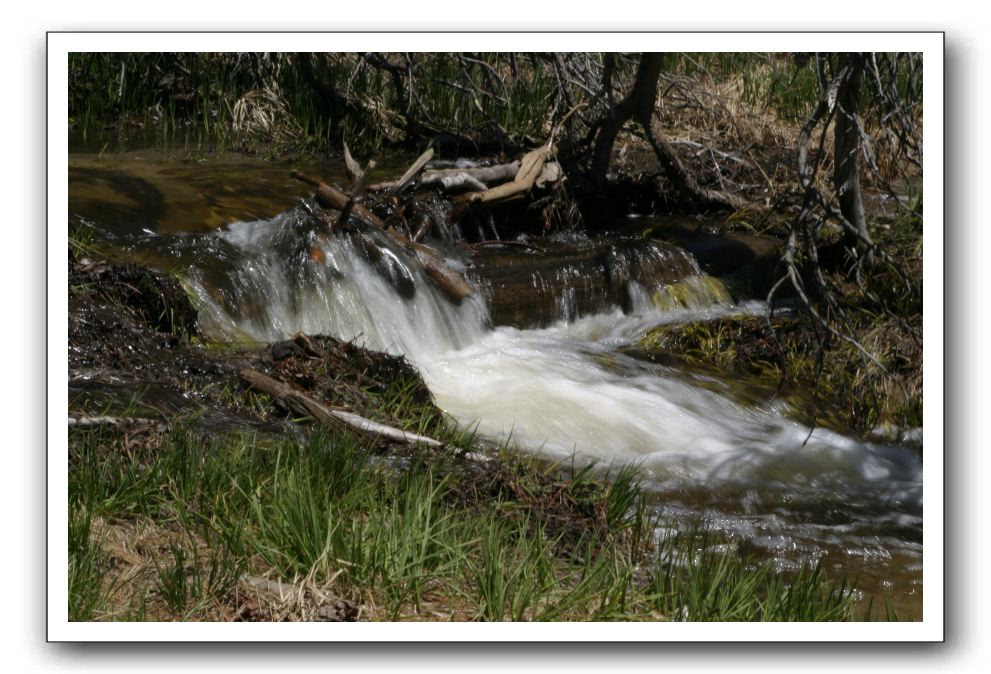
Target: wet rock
[[284, 350]]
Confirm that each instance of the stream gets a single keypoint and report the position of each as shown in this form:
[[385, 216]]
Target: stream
[[563, 386]]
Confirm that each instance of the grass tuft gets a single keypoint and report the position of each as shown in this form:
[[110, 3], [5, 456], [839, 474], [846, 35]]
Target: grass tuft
[[196, 528]]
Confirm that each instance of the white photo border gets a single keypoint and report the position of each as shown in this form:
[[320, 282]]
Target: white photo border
[[930, 44]]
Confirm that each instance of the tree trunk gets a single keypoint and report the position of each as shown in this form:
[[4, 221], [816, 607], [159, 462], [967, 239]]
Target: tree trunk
[[639, 102], [846, 168], [639, 106]]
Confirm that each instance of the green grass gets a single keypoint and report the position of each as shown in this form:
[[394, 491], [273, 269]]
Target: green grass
[[326, 516], [87, 567], [267, 104], [709, 584]]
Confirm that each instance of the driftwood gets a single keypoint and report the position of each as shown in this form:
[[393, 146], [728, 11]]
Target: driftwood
[[301, 403], [489, 175], [448, 280], [96, 422], [330, 197], [550, 174], [357, 192], [351, 166], [486, 174], [531, 168], [460, 181], [412, 172]]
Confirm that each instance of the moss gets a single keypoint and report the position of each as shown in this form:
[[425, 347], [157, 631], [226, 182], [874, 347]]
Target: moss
[[837, 388], [690, 293]]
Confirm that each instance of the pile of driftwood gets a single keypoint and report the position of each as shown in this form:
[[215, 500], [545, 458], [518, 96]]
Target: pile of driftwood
[[383, 207]]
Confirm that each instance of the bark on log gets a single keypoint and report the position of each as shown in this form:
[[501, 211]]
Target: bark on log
[[330, 197], [304, 404], [440, 273]]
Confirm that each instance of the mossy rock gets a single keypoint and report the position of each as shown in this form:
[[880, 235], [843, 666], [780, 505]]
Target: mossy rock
[[690, 293]]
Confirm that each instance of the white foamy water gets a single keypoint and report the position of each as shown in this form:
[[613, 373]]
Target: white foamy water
[[274, 290], [565, 390], [560, 390]]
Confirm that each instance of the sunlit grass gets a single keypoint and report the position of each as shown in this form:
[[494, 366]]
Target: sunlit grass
[[202, 516]]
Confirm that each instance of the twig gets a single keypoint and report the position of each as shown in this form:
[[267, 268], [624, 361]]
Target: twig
[[304, 404]]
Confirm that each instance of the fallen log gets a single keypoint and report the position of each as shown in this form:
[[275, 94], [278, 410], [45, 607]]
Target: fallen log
[[461, 181], [412, 172], [531, 169], [448, 280], [301, 403], [493, 175], [486, 174], [330, 197]]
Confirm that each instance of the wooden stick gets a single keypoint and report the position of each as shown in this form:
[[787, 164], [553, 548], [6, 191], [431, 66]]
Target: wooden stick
[[94, 422], [352, 167], [440, 273], [412, 172], [330, 197], [357, 192], [460, 181], [304, 404], [531, 166], [486, 174], [494, 175]]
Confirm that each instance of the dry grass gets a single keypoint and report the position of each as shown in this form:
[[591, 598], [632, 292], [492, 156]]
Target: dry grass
[[263, 116]]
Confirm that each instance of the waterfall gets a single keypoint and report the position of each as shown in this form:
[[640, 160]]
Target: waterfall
[[561, 388], [271, 288]]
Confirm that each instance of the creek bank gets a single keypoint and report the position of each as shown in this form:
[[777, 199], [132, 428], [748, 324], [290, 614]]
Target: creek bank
[[135, 352], [779, 362], [130, 552]]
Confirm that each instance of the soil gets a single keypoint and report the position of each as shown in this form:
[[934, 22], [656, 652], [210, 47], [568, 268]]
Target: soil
[[133, 343]]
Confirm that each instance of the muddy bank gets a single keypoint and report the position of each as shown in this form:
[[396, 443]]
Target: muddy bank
[[134, 350]]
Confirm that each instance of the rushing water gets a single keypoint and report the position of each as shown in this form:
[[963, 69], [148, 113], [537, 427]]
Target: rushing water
[[568, 389]]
